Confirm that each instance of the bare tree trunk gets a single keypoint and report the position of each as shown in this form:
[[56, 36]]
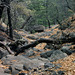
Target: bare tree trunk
[[1, 10], [9, 22], [49, 23]]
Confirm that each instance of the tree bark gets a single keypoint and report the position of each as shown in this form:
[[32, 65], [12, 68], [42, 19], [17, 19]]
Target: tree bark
[[1, 10], [9, 22], [42, 40]]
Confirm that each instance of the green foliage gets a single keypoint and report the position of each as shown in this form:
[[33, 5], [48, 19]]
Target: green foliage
[[40, 10]]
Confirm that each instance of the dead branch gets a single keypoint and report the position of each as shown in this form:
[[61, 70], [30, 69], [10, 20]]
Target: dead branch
[[43, 40], [7, 48]]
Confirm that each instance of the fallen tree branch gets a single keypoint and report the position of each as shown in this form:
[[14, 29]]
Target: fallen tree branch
[[7, 48], [43, 40]]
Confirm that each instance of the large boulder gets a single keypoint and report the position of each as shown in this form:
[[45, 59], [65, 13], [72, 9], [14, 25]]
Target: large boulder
[[39, 28], [16, 68], [3, 52], [28, 64], [66, 50], [36, 28], [46, 54], [56, 55], [2, 72], [35, 63]]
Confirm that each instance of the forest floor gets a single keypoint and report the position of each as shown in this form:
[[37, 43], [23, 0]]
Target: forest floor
[[67, 63]]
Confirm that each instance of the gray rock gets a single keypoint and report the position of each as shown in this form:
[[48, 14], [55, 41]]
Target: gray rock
[[33, 64], [2, 38], [49, 46], [16, 68], [38, 50], [57, 55], [23, 74], [63, 27], [32, 37], [13, 70], [46, 54], [2, 72], [61, 73], [66, 50], [72, 35], [49, 65], [57, 66], [8, 60], [54, 73], [7, 71], [62, 37], [3, 53], [36, 28], [43, 59], [19, 60], [30, 53]]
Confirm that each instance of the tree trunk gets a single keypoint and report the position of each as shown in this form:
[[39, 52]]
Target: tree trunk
[[49, 23], [1, 10], [9, 22]]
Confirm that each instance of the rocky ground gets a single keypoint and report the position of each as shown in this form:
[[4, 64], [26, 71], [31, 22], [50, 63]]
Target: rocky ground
[[43, 59]]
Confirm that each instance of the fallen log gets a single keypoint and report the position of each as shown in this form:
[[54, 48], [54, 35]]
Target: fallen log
[[43, 40], [7, 48]]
